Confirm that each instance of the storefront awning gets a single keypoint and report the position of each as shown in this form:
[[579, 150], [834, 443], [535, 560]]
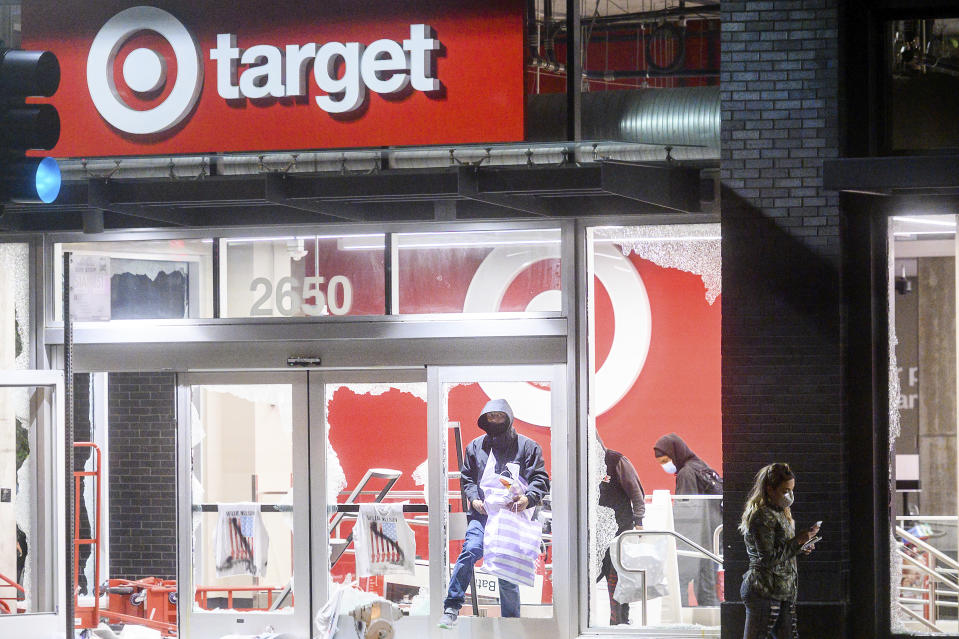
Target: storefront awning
[[464, 192]]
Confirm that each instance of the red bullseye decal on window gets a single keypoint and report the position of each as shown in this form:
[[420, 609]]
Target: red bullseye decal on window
[[631, 316]]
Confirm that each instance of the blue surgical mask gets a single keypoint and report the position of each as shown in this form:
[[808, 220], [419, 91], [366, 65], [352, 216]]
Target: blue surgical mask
[[670, 467]]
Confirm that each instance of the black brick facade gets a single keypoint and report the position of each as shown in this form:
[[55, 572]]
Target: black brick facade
[[142, 413], [781, 328]]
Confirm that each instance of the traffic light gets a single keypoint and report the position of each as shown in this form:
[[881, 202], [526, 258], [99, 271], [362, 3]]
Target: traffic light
[[24, 127]]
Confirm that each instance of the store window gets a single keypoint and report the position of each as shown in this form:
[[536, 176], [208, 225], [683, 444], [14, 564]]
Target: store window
[[923, 424], [21, 546], [156, 279], [242, 474], [654, 313], [15, 329], [922, 83], [469, 272], [26, 506], [479, 271], [302, 276], [377, 454]]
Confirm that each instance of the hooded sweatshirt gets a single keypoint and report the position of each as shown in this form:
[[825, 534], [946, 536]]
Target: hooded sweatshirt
[[697, 520], [508, 446], [622, 491], [687, 463]]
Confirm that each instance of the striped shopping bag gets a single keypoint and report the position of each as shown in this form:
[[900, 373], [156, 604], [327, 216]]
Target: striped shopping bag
[[511, 546]]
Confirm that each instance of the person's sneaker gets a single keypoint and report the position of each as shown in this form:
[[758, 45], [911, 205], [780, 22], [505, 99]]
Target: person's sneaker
[[448, 620]]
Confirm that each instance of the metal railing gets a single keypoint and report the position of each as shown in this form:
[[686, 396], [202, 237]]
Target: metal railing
[[87, 616], [940, 587], [698, 552], [6, 582]]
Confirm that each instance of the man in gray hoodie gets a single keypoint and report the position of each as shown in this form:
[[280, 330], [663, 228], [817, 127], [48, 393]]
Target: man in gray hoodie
[[507, 446]]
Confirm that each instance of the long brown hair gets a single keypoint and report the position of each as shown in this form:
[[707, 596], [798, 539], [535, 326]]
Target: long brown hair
[[771, 476]]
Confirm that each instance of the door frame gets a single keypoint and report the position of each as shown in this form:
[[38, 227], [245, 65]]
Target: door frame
[[49, 565], [562, 624], [192, 623], [319, 505]]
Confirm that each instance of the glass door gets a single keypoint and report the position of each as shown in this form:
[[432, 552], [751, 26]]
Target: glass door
[[32, 499], [495, 585], [243, 471], [369, 451], [387, 511]]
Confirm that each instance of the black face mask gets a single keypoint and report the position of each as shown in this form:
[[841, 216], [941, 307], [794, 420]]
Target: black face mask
[[495, 430]]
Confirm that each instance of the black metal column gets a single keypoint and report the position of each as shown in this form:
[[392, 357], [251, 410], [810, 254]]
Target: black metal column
[[574, 71], [68, 443], [865, 296]]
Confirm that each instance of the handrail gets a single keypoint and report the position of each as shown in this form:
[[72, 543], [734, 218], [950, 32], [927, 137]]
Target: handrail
[[202, 593], [925, 602], [717, 541], [639, 533], [929, 572], [938, 554], [78, 475], [391, 476], [935, 575], [11, 584], [97, 475], [920, 619]]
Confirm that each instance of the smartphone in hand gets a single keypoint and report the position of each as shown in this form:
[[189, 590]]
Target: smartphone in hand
[[811, 542]]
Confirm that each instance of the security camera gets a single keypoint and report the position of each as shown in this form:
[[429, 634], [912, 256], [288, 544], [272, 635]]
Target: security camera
[[903, 285]]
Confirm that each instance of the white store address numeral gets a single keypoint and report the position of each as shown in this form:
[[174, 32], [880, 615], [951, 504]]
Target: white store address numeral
[[289, 299]]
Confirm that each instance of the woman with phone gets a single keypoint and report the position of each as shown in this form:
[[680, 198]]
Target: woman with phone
[[772, 543]]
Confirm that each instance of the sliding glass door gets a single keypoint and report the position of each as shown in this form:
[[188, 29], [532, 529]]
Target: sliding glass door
[[243, 468]]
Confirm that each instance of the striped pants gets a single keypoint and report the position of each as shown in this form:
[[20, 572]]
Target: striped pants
[[769, 619]]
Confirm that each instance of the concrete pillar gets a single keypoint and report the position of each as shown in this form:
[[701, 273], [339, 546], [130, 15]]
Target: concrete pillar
[[937, 387]]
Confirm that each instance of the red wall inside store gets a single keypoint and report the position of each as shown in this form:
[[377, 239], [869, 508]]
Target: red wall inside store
[[678, 389]]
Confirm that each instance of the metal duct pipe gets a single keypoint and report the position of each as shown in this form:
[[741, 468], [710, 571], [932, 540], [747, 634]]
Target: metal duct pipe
[[668, 117]]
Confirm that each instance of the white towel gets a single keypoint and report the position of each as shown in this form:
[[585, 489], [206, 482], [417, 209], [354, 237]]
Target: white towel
[[242, 543]]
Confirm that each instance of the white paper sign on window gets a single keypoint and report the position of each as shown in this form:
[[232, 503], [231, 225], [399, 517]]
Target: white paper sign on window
[[89, 288]]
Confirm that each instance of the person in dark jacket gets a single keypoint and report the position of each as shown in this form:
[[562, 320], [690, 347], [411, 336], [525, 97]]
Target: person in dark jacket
[[622, 491], [695, 520], [507, 446]]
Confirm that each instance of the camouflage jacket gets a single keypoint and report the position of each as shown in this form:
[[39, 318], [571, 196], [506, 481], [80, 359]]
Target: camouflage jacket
[[772, 550]]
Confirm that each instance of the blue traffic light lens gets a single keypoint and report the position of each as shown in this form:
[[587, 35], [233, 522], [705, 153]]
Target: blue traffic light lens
[[48, 180]]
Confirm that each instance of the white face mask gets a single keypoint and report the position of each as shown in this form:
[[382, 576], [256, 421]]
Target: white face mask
[[788, 499], [670, 467]]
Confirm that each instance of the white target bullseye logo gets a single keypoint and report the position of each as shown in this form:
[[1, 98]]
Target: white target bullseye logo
[[631, 316], [144, 70]]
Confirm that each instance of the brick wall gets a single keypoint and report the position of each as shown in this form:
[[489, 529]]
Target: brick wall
[[142, 413], [782, 384]]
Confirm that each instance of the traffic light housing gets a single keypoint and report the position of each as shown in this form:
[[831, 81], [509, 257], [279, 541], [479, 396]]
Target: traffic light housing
[[25, 127]]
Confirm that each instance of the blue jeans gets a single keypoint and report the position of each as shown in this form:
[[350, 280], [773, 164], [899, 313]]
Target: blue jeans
[[463, 570]]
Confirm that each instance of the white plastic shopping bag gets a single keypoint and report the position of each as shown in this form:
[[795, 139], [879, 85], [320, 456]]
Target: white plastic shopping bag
[[511, 541], [647, 554], [328, 616]]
